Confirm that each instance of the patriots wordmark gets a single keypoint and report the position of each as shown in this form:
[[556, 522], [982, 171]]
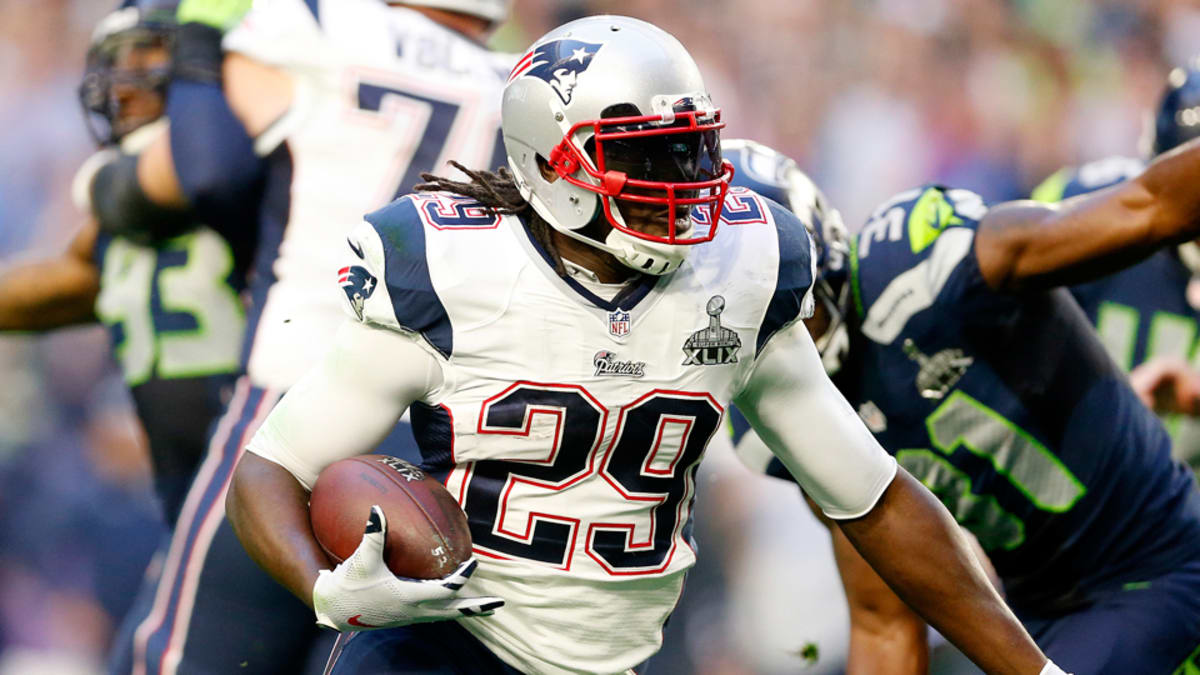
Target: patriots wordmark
[[606, 363]]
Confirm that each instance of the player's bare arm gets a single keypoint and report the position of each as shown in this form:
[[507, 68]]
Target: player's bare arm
[[52, 293], [267, 503], [268, 508], [886, 636], [902, 531], [1027, 245]]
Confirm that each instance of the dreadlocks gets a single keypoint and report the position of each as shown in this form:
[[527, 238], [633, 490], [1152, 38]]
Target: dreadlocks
[[498, 193]]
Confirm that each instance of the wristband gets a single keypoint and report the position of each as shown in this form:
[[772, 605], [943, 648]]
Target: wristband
[[122, 209], [196, 54]]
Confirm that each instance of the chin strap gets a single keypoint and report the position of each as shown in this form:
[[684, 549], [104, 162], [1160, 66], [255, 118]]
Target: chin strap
[[644, 256]]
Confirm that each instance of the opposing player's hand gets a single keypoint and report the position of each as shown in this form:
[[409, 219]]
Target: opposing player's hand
[[220, 14], [1167, 386], [362, 593]]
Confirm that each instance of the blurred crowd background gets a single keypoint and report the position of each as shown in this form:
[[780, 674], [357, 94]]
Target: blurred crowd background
[[870, 96]]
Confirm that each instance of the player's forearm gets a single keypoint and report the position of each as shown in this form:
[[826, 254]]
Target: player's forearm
[[268, 509], [899, 650], [1170, 182], [46, 295], [913, 543], [1030, 246], [886, 636]]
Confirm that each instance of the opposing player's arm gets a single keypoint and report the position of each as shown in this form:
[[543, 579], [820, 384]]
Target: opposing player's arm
[[52, 293], [1026, 245], [219, 105], [897, 526], [214, 132], [886, 636], [344, 407]]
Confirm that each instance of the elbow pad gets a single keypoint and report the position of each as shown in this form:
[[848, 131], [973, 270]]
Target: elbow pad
[[122, 209]]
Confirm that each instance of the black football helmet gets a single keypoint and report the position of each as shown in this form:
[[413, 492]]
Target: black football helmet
[[120, 69]]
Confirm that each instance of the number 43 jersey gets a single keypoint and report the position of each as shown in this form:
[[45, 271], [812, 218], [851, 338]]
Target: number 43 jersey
[[570, 427], [1010, 410]]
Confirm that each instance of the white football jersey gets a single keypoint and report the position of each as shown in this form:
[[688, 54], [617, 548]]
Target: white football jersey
[[380, 94], [570, 427]]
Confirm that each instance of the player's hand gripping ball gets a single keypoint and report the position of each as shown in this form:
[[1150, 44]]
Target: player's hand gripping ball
[[427, 534]]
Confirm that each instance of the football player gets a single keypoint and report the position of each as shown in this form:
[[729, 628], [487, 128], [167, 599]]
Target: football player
[[169, 299], [170, 294], [942, 326], [1143, 313], [567, 335], [347, 102]]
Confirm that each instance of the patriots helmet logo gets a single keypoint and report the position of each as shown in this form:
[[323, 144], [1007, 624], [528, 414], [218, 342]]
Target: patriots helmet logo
[[557, 63], [358, 284]]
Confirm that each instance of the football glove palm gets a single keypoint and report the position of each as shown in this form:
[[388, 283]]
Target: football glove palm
[[362, 593]]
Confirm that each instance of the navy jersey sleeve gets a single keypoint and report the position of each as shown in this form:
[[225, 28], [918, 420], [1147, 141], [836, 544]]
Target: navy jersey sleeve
[[386, 278], [1073, 181], [793, 296], [217, 167], [921, 246]]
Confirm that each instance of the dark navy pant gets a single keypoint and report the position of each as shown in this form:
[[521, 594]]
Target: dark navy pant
[[441, 648], [1149, 628]]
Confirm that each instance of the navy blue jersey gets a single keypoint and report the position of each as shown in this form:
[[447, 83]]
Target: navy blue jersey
[[1009, 409], [176, 321], [1141, 312]]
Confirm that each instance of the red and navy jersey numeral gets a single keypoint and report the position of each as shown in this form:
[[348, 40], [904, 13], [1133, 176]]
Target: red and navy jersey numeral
[[638, 465], [742, 207], [579, 424], [445, 212], [635, 469]]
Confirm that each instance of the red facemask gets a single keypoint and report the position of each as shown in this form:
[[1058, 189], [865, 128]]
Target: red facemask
[[653, 161]]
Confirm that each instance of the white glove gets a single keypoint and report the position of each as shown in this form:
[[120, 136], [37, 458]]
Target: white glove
[[362, 593], [1051, 669]]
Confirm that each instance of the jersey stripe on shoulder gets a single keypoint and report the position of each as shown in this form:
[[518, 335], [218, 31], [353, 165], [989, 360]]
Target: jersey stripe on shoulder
[[793, 298], [414, 300]]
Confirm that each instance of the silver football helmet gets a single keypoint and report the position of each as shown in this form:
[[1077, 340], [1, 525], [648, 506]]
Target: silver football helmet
[[614, 111], [494, 11]]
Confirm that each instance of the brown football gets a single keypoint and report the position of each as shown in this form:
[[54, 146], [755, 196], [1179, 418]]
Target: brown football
[[427, 533]]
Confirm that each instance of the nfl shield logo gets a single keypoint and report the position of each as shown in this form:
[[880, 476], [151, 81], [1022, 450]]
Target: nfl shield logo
[[618, 323]]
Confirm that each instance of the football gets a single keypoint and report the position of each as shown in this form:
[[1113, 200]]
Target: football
[[427, 534]]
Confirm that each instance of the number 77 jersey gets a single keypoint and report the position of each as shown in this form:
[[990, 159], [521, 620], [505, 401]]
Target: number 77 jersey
[[570, 426], [1009, 409]]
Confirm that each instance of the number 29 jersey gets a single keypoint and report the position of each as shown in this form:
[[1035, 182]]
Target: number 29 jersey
[[1009, 409], [380, 94], [570, 427]]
